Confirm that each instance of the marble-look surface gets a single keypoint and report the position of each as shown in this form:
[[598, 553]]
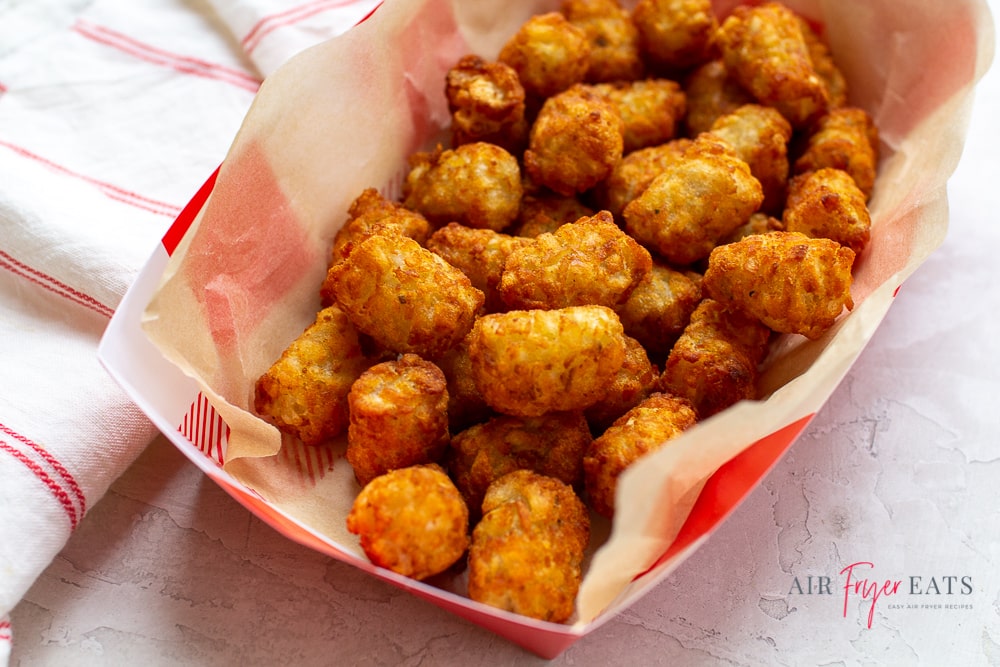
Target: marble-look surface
[[900, 470]]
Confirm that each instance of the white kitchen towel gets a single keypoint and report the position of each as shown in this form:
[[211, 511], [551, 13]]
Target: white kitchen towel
[[112, 114]]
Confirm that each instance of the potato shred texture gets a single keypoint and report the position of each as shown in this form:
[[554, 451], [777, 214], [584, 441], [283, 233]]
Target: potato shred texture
[[633, 204]]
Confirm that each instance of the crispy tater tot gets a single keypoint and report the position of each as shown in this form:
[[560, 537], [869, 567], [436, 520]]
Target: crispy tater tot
[[635, 172], [527, 551], [789, 281], [304, 393], [633, 382], [552, 445], [404, 296], [549, 54], [614, 40], [486, 100], [760, 136], [398, 417], [590, 261], [845, 139], [659, 308], [675, 34], [575, 142], [714, 362], [371, 213], [546, 211], [466, 405], [529, 362], [826, 68], [478, 253], [645, 428], [651, 110], [827, 203], [477, 184], [759, 223], [412, 521], [696, 202], [710, 93], [765, 51]]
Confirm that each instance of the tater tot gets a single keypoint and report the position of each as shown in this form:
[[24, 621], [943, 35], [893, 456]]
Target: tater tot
[[765, 51], [371, 213], [759, 223], [546, 211], [477, 184], [828, 204], [645, 428], [404, 296], [590, 261], [529, 362], [845, 139], [552, 445], [635, 172], [527, 551], [549, 54], [696, 202], [651, 110], [633, 382], [789, 281], [412, 521], [478, 253], [575, 142], [826, 68], [714, 362], [486, 100], [614, 40], [710, 93], [675, 34], [659, 308], [760, 136], [398, 417], [304, 393]]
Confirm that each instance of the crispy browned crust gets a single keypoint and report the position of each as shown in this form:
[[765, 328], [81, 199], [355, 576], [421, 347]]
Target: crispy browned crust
[[412, 521], [404, 296], [765, 51], [575, 142], [697, 201], [714, 362], [587, 262], [789, 281], [529, 362], [659, 308], [827, 203], [675, 34], [846, 139], [304, 393], [613, 37], [546, 211], [527, 551], [633, 382], [651, 110], [634, 173], [486, 100], [549, 54], [398, 417], [552, 445], [760, 136], [645, 428]]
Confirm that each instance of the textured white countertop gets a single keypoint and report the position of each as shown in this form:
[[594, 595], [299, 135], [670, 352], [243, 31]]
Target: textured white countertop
[[898, 474]]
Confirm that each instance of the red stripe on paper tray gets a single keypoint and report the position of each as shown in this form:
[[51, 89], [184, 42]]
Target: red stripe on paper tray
[[187, 215], [107, 189], [49, 471], [206, 429], [175, 61], [269, 24], [53, 285]]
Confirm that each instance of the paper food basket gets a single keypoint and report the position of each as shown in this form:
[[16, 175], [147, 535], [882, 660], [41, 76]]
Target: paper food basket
[[236, 276]]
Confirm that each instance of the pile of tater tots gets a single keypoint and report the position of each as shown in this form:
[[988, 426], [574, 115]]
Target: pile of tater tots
[[633, 203]]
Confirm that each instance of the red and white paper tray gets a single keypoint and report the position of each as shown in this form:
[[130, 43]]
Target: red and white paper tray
[[237, 275]]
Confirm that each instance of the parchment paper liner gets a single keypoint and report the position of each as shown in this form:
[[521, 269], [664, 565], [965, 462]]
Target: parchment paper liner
[[345, 115]]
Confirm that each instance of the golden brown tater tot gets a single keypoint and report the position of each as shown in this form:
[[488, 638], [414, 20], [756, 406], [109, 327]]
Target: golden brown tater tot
[[827, 203]]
